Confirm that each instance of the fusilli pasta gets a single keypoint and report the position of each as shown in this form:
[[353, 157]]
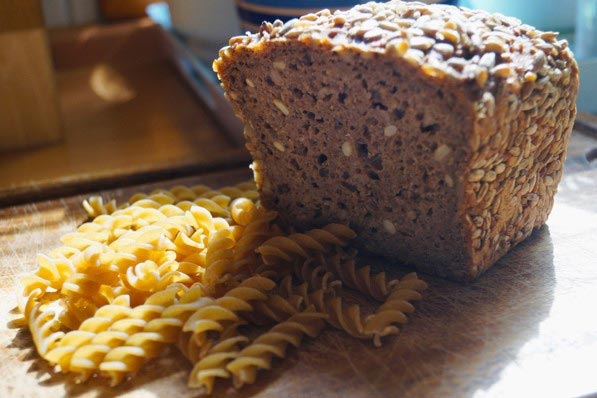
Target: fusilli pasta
[[375, 286], [43, 322], [259, 354], [215, 314], [322, 295], [395, 308], [213, 364], [301, 246], [199, 269]]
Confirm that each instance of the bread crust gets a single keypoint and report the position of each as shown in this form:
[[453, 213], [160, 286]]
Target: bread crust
[[517, 88]]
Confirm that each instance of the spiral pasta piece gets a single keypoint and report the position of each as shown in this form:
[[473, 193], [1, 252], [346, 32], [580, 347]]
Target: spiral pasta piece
[[51, 274], [94, 206], [43, 322], [326, 301], [82, 294], [375, 286], [217, 206], [219, 256], [277, 308], [216, 314], [259, 354], [383, 322], [340, 316], [315, 274], [293, 298], [227, 258], [244, 189], [395, 308], [183, 224], [349, 318], [257, 230], [301, 246], [213, 364], [242, 211], [189, 244], [150, 276]]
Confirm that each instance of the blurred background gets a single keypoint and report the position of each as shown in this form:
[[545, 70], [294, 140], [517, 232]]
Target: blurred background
[[105, 93]]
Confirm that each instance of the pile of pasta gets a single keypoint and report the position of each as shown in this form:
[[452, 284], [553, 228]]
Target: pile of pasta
[[201, 270]]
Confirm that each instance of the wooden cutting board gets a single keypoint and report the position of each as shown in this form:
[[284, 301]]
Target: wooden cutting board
[[526, 328]]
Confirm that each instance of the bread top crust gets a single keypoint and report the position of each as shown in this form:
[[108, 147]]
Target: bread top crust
[[474, 47]]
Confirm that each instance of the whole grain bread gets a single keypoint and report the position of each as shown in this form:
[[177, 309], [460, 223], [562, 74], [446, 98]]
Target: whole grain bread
[[439, 133]]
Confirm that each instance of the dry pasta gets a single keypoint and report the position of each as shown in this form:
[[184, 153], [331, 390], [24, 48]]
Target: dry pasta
[[395, 308], [316, 275], [276, 308], [43, 322], [95, 206], [218, 313], [259, 354], [375, 286], [212, 364], [301, 246], [321, 293], [194, 353], [200, 269]]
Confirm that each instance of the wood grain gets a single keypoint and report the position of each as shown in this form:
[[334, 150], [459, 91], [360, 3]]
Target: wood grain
[[525, 328], [30, 114]]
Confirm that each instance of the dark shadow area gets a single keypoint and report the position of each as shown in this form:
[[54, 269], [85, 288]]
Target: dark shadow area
[[162, 376], [458, 341]]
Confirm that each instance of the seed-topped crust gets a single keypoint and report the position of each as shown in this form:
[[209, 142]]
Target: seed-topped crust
[[444, 41]]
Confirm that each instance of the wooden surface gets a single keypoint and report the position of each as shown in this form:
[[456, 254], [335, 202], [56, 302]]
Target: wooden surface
[[28, 103], [20, 14], [525, 328], [128, 116]]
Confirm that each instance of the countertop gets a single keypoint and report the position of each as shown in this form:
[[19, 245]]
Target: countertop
[[525, 328]]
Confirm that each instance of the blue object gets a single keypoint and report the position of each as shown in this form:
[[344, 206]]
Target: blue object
[[253, 12], [543, 14], [585, 51], [160, 14], [586, 30]]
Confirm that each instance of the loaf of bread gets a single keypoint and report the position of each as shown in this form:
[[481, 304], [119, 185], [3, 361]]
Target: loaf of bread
[[439, 133]]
